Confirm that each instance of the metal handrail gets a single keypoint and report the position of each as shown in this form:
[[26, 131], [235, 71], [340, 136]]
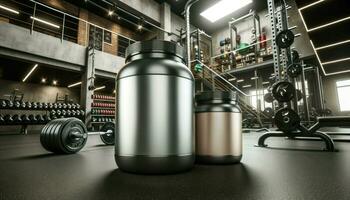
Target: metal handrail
[[234, 51], [115, 33], [218, 75]]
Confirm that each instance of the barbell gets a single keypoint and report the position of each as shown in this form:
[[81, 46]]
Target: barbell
[[69, 135]]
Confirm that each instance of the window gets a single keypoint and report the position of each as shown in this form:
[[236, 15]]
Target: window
[[343, 89], [107, 37], [95, 37], [123, 43], [260, 96]]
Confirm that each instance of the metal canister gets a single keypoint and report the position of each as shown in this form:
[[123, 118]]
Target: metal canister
[[155, 93], [218, 128]]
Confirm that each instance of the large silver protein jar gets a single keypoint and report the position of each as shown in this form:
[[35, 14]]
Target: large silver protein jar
[[155, 110], [218, 128]]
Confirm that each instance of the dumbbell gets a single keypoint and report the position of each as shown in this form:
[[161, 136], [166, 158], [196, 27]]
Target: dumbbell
[[74, 106], [16, 118], [25, 119], [52, 113], [59, 105], [74, 113], [64, 105], [50, 105], [40, 105], [73, 135], [3, 103], [8, 118], [58, 113], [64, 113], [69, 106], [32, 118], [47, 118], [23, 104], [16, 104], [40, 118], [2, 120], [68, 113], [10, 104], [54, 105], [34, 105], [45, 106], [77, 106], [28, 105]]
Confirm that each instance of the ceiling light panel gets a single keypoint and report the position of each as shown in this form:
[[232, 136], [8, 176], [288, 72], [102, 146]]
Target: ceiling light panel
[[224, 8]]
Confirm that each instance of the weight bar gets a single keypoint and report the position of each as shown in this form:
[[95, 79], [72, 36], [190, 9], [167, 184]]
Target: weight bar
[[69, 135]]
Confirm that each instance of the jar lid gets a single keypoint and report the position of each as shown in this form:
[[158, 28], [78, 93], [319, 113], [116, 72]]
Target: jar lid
[[216, 95], [154, 46]]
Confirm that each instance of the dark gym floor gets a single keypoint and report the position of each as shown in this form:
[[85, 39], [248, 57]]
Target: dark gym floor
[[29, 172]]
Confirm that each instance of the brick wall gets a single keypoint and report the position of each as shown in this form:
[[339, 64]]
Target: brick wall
[[95, 19], [62, 5]]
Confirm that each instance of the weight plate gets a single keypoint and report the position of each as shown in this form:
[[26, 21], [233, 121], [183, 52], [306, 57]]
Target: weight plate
[[287, 120], [285, 39], [294, 70], [47, 136], [268, 112], [68, 143], [52, 138], [108, 138], [55, 135], [268, 97], [43, 135], [283, 91]]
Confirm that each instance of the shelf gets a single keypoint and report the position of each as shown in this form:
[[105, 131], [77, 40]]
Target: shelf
[[105, 100], [264, 64], [94, 115], [41, 109], [105, 108], [98, 122]]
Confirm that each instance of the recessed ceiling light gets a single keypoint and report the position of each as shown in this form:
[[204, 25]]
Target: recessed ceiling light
[[139, 27], [329, 24], [312, 4], [44, 22], [246, 86], [224, 8], [54, 82], [43, 80], [100, 88], [9, 9], [110, 13], [240, 80], [30, 72], [332, 45], [336, 61], [74, 84]]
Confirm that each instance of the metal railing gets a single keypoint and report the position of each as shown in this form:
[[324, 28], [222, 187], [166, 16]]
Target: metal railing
[[264, 53], [45, 19], [211, 79]]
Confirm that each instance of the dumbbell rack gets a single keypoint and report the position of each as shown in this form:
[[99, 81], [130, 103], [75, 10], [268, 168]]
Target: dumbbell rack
[[107, 109], [24, 125]]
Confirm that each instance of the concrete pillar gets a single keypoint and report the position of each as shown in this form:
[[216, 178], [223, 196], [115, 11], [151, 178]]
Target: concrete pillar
[[85, 93], [165, 21]]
